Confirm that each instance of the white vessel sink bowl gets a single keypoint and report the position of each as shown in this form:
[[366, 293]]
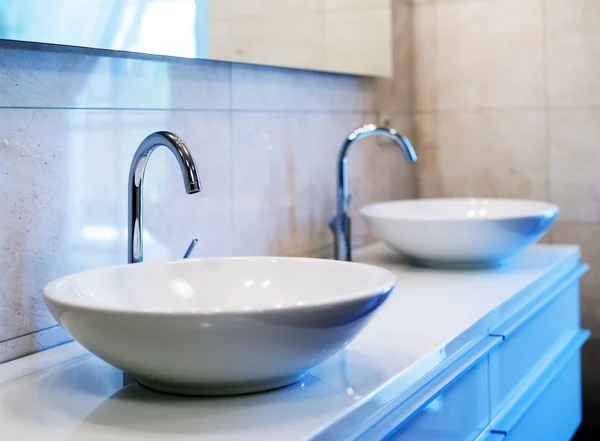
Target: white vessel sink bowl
[[219, 326], [459, 232]]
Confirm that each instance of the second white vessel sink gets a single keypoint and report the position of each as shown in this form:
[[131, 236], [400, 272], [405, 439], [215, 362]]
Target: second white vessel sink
[[219, 326], [459, 232]]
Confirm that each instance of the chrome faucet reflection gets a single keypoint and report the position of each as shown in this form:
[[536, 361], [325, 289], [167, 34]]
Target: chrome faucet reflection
[[135, 250], [340, 224]]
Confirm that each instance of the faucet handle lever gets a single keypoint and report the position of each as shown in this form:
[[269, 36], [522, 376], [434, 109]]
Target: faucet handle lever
[[347, 201], [190, 248]]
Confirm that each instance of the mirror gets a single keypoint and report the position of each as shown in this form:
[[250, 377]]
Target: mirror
[[347, 36]]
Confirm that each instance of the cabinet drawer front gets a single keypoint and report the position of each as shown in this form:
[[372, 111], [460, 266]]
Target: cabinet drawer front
[[459, 413], [454, 396], [550, 410], [516, 358]]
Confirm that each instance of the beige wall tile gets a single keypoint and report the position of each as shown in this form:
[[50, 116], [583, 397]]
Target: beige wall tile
[[587, 236], [262, 88], [284, 187], [37, 341], [420, 2], [359, 41], [63, 183], [574, 136], [357, 4], [573, 52], [424, 56], [34, 76], [396, 94], [285, 179], [18, 347], [294, 40], [487, 54], [482, 154], [233, 9]]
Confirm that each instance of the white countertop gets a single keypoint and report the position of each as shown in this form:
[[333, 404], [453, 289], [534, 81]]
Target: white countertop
[[431, 315]]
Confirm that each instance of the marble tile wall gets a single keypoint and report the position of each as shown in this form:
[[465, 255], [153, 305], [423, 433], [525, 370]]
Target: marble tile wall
[[507, 103], [265, 141]]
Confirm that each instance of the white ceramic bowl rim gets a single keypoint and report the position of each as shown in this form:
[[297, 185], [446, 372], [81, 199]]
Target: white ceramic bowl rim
[[385, 285], [530, 209]]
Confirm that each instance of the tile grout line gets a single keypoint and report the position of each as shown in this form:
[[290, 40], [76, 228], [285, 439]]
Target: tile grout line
[[421, 171], [411, 57], [221, 110], [231, 164], [508, 109], [30, 334], [418, 3], [548, 147], [37, 342]]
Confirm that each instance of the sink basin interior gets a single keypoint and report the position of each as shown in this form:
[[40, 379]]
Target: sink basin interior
[[459, 209], [219, 285]]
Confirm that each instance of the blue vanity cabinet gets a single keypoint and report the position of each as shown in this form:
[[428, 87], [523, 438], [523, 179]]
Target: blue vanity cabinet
[[548, 406], [529, 335], [492, 437], [456, 408], [521, 383]]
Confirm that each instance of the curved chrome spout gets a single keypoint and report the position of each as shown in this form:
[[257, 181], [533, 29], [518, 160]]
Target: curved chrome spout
[[340, 224], [135, 250]]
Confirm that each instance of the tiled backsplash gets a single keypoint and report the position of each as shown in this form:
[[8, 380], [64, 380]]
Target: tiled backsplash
[[265, 141], [507, 99]]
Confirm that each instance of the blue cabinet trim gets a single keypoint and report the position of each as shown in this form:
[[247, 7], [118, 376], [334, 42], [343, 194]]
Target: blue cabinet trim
[[425, 394], [550, 366], [489, 436], [512, 325]]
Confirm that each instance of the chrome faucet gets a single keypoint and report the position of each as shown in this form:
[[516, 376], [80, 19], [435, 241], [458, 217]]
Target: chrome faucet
[[340, 224], [135, 251]]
